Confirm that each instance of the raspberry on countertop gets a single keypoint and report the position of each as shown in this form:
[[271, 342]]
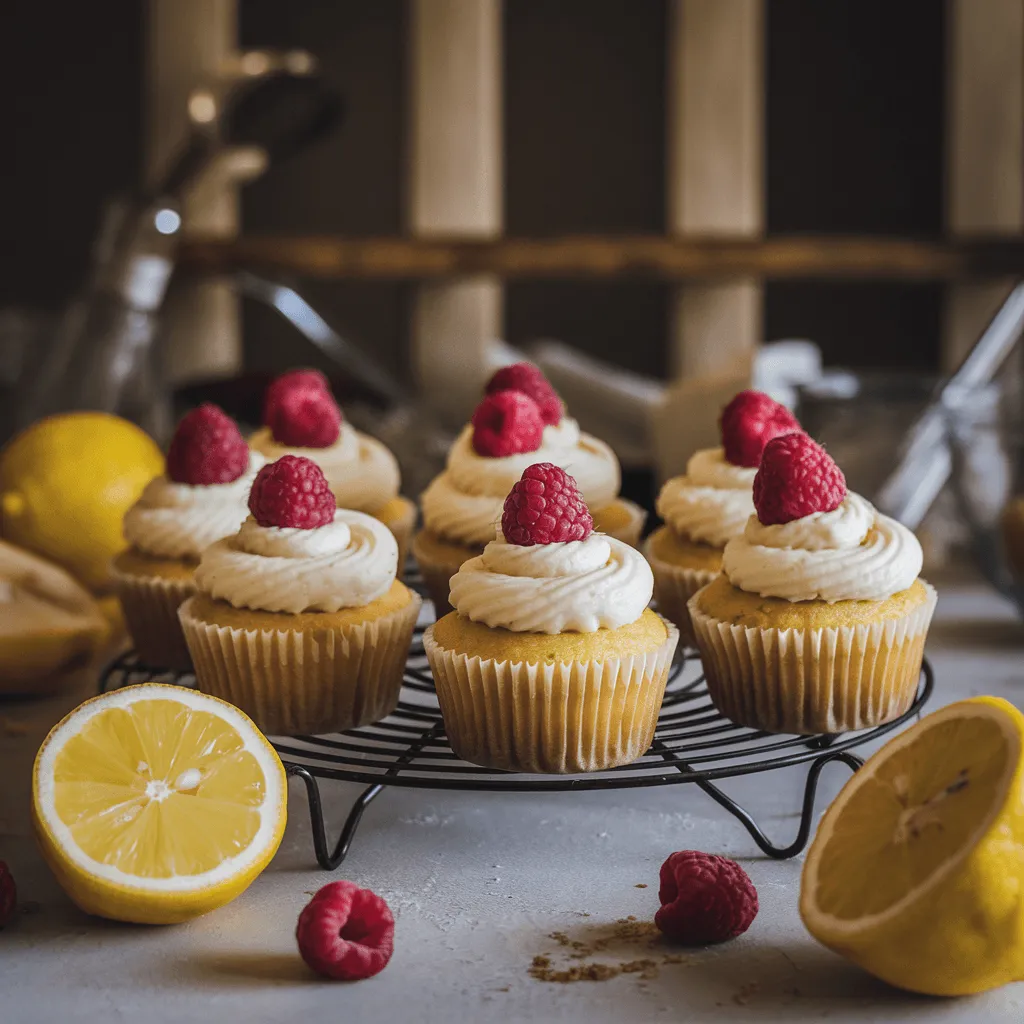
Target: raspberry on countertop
[[345, 932], [704, 899]]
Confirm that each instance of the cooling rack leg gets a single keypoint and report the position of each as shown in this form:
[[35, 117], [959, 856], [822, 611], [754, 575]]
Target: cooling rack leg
[[806, 814], [330, 859]]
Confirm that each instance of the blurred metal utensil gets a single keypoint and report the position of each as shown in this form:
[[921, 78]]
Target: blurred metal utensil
[[104, 355], [925, 464]]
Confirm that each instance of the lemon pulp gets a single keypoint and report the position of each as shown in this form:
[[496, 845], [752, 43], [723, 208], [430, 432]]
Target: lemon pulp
[[915, 814], [154, 809], [156, 803]]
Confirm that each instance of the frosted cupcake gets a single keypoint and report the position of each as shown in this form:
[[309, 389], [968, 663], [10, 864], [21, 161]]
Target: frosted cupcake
[[552, 661], [299, 619], [200, 498], [301, 417], [520, 422], [710, 505], [818, 620]]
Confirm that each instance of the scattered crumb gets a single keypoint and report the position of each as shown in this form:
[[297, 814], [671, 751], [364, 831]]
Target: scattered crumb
[[742, 995], [640, 885], [12, 727], [504, 988], [622, 937]]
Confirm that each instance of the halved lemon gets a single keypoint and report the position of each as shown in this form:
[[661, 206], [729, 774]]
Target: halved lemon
[[917, 870], [157, 803]]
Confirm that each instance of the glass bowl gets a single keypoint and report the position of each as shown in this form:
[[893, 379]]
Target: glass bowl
[[986, 439]]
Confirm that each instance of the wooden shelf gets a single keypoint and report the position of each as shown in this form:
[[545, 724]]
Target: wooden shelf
[[599, 257]]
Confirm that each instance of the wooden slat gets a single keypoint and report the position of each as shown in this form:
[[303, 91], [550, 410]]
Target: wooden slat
[[985, 158], [455, 186], [671, 259], [714, 172], [188, 43]]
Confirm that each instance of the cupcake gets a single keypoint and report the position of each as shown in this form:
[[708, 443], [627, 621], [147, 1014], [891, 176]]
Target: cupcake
[[298, 618], [301, 417], [709, 505], [818, 620], [551, 661], [200, 498], [521, 421]]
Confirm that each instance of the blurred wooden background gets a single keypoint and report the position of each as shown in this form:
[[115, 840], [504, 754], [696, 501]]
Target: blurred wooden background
[[861, 104]]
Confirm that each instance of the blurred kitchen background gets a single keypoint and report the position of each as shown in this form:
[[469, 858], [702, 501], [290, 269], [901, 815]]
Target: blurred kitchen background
[[851, 173]]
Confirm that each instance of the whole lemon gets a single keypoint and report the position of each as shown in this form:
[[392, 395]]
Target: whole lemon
[[66, 483]]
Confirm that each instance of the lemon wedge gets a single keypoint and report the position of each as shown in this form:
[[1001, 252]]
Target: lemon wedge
[[157, 803], [917, 870]]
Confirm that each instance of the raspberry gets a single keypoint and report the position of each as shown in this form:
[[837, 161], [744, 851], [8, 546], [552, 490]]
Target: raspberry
[[797, 477], [207, 448], [704, 899], [346, 932], [308, 380], [507, 423], [306, 418], [545, 507], [292, 492], [749, 422], [528, 378], [8, 894]]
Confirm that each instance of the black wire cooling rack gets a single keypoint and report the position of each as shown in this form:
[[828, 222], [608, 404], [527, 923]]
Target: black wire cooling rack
[[693, 743]]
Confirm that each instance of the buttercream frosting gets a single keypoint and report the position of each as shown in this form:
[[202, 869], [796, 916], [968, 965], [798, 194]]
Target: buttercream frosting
[[174, 520], [345, 564], [575, 586], [362, 472], [712, 502], [464, 503], [852, 553]]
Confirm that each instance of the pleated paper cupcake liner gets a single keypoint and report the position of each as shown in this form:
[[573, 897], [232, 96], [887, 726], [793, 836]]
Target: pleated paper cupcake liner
[[824, 680], [150, 605], [306, 681], [550, 718], [674, 585]]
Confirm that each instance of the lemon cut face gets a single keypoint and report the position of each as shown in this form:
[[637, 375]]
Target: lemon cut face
[[157, 802], [917, 869]]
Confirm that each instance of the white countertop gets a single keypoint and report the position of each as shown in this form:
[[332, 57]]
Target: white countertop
[[477, 883]]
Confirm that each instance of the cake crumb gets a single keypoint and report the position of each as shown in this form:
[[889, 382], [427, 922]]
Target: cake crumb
[[742, 995], [640, 885], [618, 941]]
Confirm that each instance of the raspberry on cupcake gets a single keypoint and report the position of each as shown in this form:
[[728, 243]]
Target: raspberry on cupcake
[[200, 498], [818, 620], [710, 504], [520, 420], [298, 618], [301, 418], [551, 660]]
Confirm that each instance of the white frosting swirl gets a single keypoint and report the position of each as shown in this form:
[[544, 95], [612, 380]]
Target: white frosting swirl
[[362, 472], [346, 564], [465, 502], [172, 520], [578, 586], [712, 502], [850, 554]]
